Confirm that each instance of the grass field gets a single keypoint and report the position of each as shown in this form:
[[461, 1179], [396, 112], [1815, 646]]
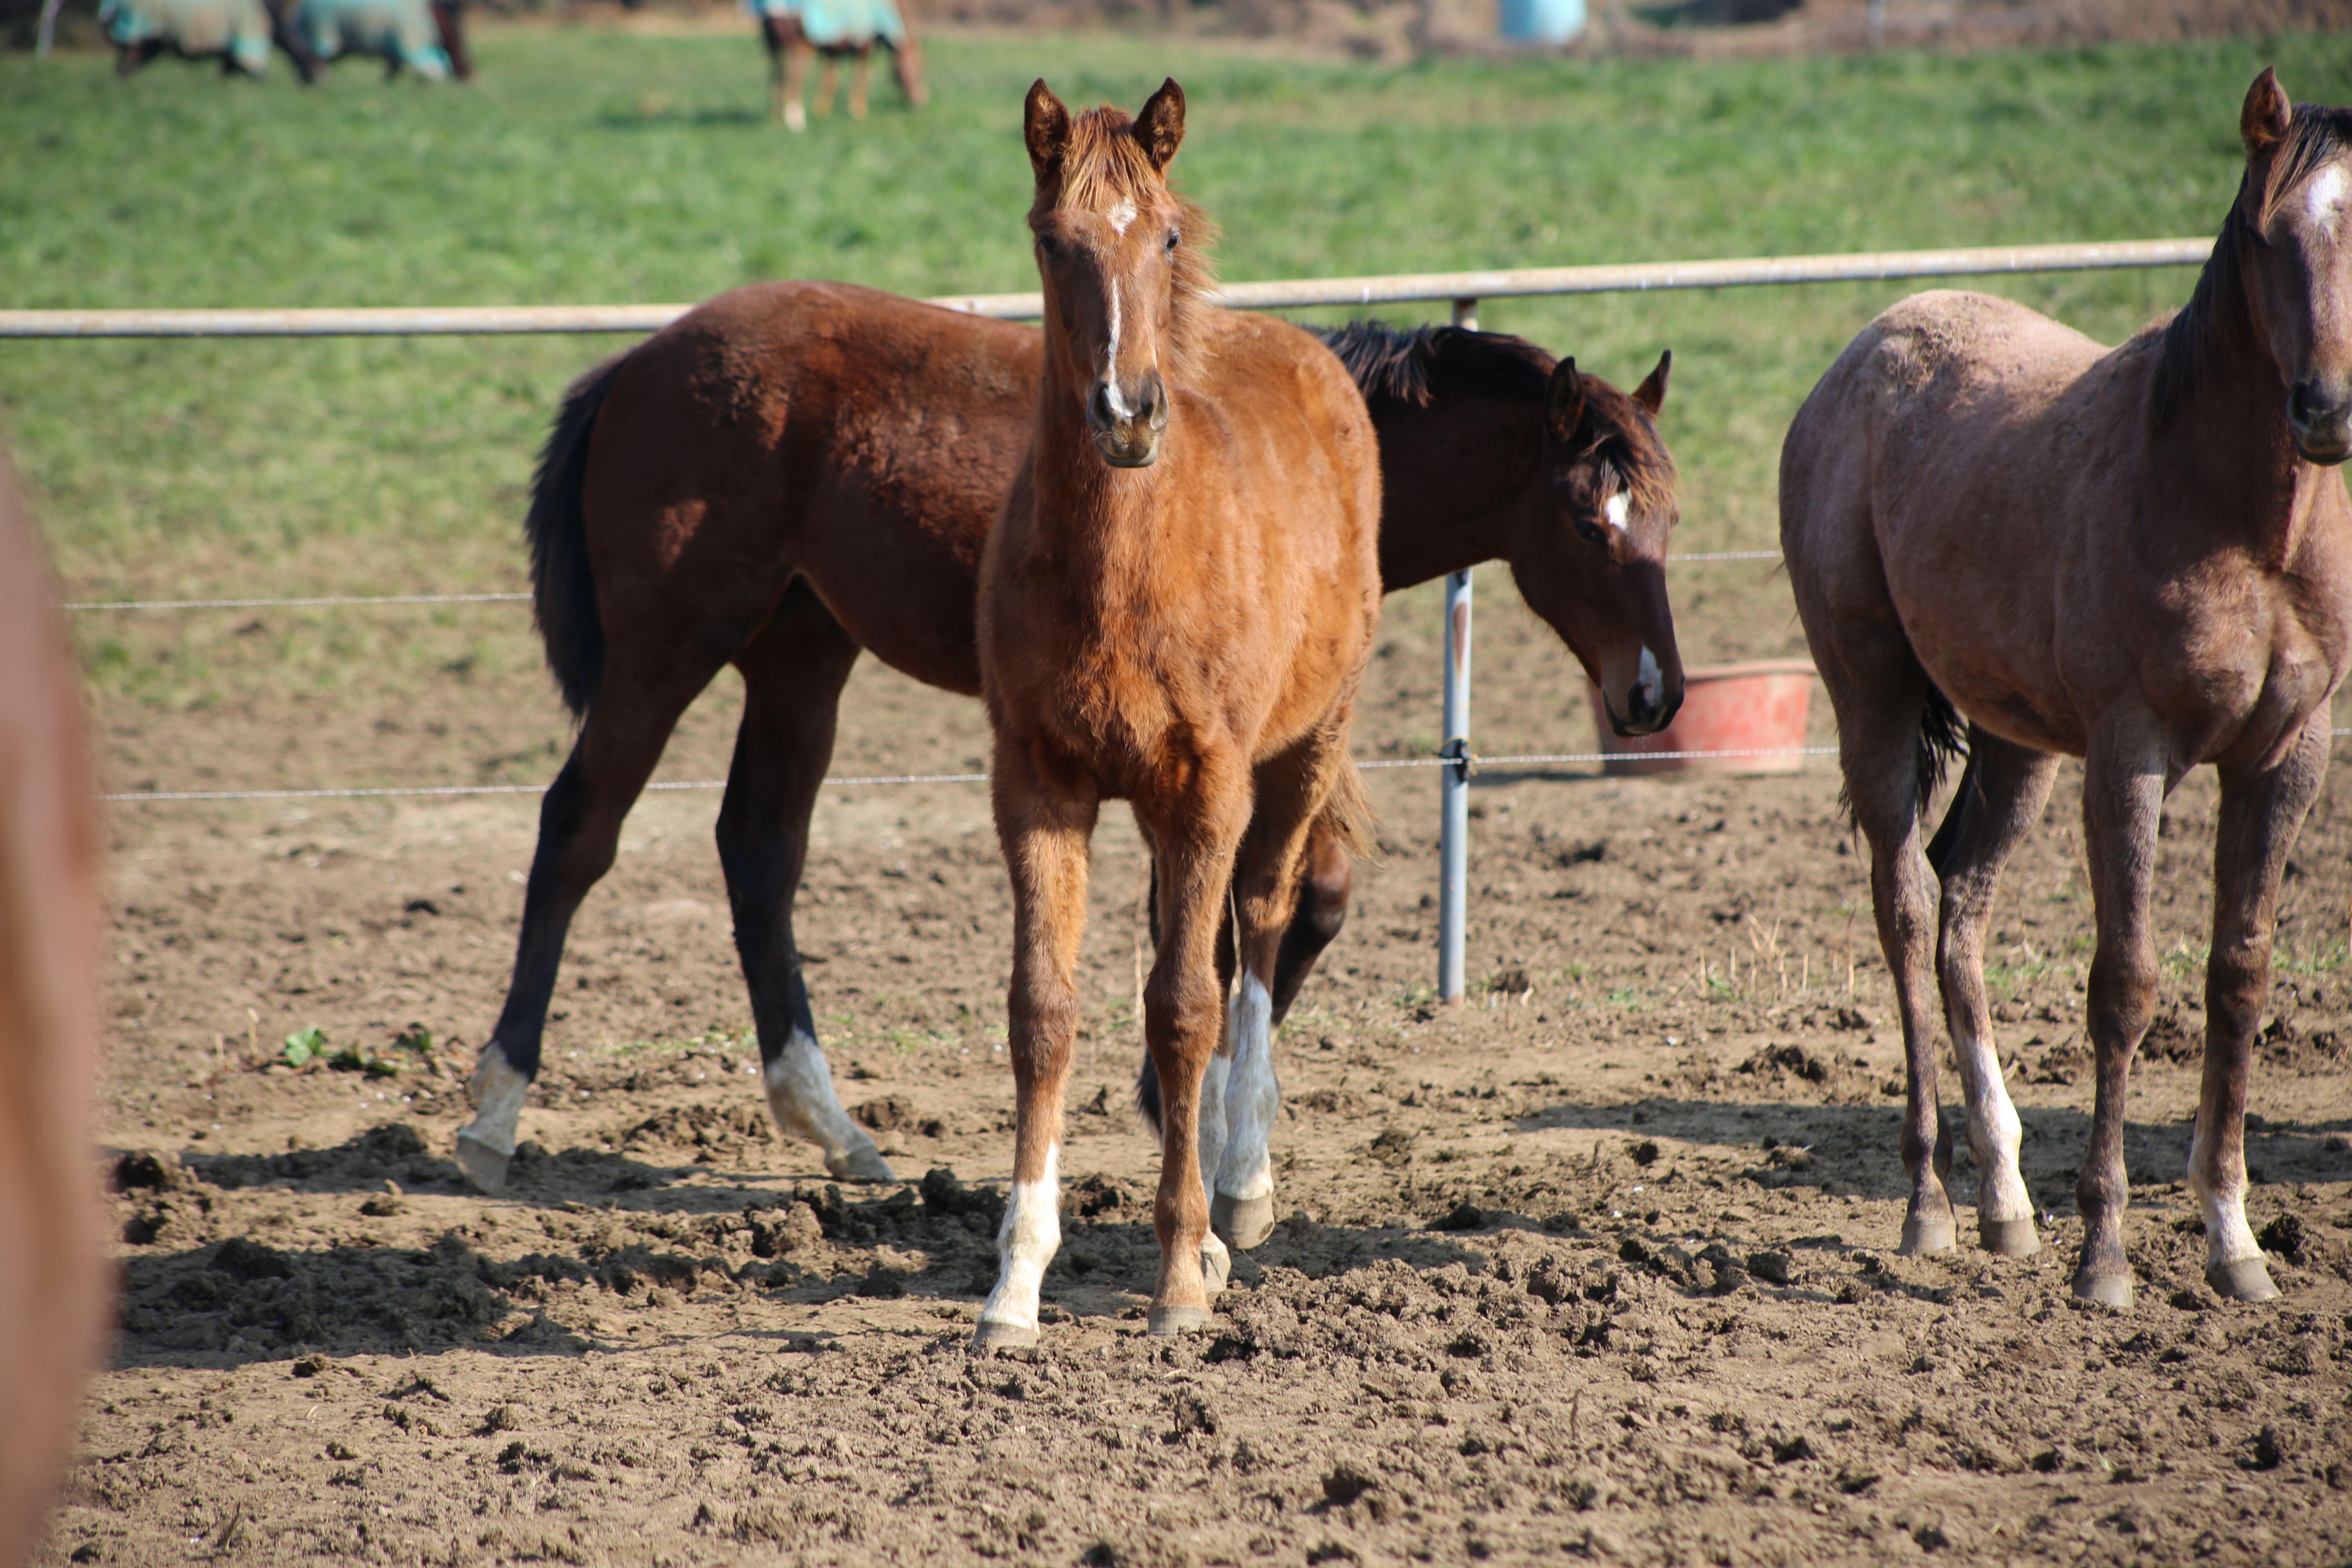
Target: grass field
[[590, 166]]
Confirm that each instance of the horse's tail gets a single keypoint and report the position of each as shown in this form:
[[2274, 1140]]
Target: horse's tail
[[1349, 816], [562, 583], [1943, 735]]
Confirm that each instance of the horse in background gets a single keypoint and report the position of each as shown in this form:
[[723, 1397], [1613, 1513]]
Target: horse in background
[[670, 537], [53, 1289], [238, 33], [2139, 556], [835, 30], [425, 37], [1176, 606]]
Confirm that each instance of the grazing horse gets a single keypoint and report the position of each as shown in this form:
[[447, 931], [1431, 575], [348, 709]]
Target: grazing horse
[[1176, 606], [238, 33], [53, 1311], [2141, 557], [425, 37], [750, 486], [835, 30]]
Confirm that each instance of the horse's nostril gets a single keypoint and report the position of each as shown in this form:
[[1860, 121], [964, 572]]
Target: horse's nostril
[[1099, 411], [2299, 403]]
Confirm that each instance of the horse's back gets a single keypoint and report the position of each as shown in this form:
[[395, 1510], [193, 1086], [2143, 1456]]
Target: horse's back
[[51, 1293], [820, 429]]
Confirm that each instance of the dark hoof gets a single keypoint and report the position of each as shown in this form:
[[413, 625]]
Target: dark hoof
[[1933, 1233], [865, 1165], [484, 1166], [2107, 1289], [1242, 1223], [995, 1336], [1166, 1322], [2242, 1280], [2008, 1237]]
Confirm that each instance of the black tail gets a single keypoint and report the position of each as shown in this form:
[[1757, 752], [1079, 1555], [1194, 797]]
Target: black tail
[[1943, 735], [562, 587], [1147, 1095]]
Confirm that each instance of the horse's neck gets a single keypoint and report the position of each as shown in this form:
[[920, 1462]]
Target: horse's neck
[[1101, 524], [2225, 453], [1452, 473]]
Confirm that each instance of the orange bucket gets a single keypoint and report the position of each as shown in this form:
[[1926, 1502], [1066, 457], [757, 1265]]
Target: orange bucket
[[1758, 710]]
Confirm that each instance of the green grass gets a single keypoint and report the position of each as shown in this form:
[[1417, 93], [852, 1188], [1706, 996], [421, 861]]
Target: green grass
[[587, 166]]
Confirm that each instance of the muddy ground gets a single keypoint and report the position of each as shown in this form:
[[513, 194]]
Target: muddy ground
[[1598, 1265]]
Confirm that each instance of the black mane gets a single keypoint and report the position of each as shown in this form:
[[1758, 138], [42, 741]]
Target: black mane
[[1413, 365], [2215, 316]]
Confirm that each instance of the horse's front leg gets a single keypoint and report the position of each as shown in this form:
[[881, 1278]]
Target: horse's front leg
[[1291, 791], [1044, 825], [861, 66], [2123, 794], [2261, 814], [1184, 1030], [828, 77], [797, 50]]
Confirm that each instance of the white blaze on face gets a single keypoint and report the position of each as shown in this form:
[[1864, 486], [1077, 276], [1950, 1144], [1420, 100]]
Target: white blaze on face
[[1111, 394], [2323, 197], [1613, 509], [1253, 1097], [1025, 1243], [1120, 216]]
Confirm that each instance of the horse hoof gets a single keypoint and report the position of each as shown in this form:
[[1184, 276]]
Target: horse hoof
[[2241, 1280], [484, 1166], [1243, 1222], [2008, 1237], [2107, 1289], [1931, 1234], [795, 118], [1166, 1322], [866, 1165], [992, 1335]]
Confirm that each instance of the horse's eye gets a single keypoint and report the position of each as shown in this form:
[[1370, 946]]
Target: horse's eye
[[1048, 247], [1174, 239], [1590, 532]]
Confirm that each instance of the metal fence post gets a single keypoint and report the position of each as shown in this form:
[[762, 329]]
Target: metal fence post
[[1454, 781]]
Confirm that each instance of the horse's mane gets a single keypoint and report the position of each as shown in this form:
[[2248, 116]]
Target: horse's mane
[[1419, 365], [2215, 320], [1103, 164]]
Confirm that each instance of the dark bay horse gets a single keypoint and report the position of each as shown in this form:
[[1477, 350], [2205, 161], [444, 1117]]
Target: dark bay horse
[[2141, 557], [1176, 606], [795, 471], [53, 1307]]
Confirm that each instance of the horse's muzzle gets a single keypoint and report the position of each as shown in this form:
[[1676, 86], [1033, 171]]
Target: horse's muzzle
[[2320, 421], [1127, 424], [1648, 709]]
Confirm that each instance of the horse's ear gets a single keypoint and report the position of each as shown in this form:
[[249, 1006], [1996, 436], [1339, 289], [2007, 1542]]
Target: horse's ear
[[1160, 129], [2262, 123], [1564, 401], [1045, 125], [1652, 393]]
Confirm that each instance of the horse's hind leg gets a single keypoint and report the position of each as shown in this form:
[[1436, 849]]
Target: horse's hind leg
[[2260, 815], [1326, 875], [1879, 725], [861, 66], [2001, 796], [793, 676], [579, 827], [828, 78], [794, 93]]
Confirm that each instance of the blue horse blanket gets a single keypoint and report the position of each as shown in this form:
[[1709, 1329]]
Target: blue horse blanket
[[400, 31], [831, 22], [238, 28]]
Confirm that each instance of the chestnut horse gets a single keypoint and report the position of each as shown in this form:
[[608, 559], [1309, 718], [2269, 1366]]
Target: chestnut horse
[[1176, 606], [52, 1267], [2141, 557], [749, 485], [835, 30]]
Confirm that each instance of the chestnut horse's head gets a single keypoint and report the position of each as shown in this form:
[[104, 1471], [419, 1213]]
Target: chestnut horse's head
[[1122, 258], [2295, 209], [1595, 568]]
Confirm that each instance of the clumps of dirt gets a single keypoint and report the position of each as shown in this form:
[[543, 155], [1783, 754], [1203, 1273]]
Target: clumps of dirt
[[703, 1133], [393, 1152], [1811, 1073]]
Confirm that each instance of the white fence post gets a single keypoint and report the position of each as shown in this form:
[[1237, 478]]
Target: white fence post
[[1454, 779]]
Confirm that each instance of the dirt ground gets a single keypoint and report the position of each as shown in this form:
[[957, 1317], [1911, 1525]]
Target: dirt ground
[[1598, 1264]]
